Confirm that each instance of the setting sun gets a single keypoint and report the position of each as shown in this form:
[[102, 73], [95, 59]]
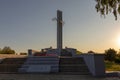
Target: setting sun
[[118, 41]]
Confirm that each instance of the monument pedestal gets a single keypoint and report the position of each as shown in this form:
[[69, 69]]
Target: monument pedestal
[[95, 63]]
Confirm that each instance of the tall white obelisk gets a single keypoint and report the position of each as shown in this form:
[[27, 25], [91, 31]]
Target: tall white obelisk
[[59, 30]]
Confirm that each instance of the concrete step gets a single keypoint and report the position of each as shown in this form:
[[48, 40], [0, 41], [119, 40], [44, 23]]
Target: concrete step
[[73, 69], [11, 64], [74, 73], [73, 66], [41, 62], [13, 61], [22, 70], [70, 60], [9, 67], [43, 58]]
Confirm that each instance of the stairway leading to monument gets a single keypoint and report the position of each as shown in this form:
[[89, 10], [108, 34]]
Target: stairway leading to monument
[[63, 65], [11, 64], [40, 64], [69, 65]]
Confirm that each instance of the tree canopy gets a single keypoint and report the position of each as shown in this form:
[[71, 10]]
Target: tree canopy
[[108, 6], [110, 54], [7, 50], [90, 51]]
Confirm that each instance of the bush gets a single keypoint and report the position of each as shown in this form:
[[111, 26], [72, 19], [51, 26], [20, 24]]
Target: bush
[[7, 50], [117, 60], [91, 51], [110, 54], [23, 53]]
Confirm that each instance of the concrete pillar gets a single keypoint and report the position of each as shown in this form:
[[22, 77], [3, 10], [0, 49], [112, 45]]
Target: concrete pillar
[[29, 52], [59, 30]]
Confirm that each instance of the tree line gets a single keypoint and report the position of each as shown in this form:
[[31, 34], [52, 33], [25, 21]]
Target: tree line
[[7, 50], [110, 55]]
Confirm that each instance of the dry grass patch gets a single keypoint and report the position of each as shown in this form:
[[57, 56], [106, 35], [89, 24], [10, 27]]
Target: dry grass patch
[[111, 66]]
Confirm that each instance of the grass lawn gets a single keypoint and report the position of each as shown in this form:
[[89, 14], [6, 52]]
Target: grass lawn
[[111, 66]]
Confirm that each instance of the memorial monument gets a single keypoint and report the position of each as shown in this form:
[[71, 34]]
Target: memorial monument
[[50, 60], [59, 50], [59, 30]]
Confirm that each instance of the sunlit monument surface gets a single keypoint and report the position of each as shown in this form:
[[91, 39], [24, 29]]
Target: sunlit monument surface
[[63, 60]]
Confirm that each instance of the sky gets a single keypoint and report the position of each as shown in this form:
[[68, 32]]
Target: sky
[[27, 24]]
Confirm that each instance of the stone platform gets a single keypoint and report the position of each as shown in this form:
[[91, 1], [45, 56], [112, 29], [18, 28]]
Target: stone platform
[[59, 65]]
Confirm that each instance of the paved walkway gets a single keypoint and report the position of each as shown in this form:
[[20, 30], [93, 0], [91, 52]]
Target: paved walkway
[[51, 77]]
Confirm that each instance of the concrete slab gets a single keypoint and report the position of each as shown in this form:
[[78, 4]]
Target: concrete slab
[[39, 68], [52, 77]]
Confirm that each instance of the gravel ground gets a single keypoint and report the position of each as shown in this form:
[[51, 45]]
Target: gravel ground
[[52, 77]]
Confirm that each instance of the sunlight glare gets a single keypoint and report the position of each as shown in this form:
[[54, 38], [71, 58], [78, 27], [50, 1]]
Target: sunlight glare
[[118, 41]]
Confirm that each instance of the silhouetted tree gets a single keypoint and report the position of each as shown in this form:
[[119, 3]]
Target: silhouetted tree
[[7, 50], [118, 54], [117, 60], [23, 53], [108, 6], [91, 51], [0, 50], [78, 52], [110, 54]]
